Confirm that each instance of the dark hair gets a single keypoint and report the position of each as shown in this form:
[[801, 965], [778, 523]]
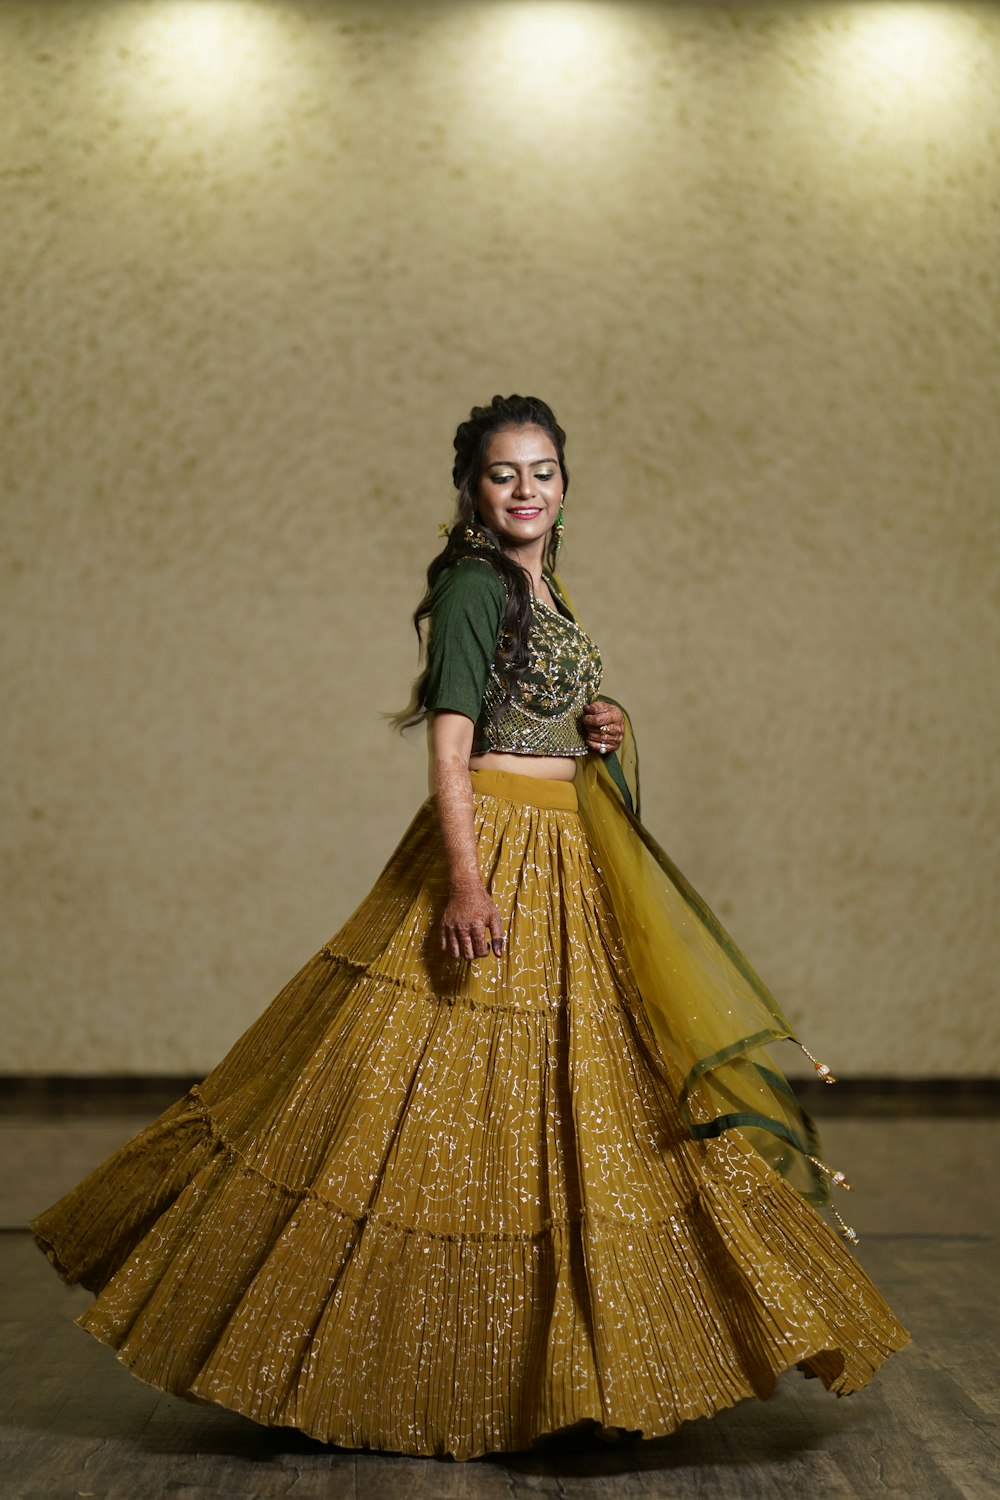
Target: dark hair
[[471, 442]]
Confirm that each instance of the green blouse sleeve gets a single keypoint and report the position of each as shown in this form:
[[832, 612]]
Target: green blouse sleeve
[[467, 607]]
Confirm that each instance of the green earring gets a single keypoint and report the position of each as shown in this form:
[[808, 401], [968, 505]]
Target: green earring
[[558, 527]]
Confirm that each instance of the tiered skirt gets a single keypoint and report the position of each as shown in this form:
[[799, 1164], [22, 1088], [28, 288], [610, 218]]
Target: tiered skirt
[[434, 1206]]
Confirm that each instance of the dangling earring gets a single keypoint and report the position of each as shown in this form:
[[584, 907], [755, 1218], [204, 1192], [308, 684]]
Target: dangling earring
[[558, 526]]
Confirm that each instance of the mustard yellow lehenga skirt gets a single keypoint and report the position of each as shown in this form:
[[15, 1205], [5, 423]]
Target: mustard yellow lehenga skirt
[[437, 1207]]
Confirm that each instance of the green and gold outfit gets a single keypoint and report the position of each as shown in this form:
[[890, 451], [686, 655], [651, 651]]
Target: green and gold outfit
[[465, 673], [436, 1206]]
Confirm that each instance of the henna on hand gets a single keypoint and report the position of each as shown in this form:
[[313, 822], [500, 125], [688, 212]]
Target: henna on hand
[[601, 715], [468, 914]]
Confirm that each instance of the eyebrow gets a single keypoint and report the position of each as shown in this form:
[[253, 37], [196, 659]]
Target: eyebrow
[[510, 463]]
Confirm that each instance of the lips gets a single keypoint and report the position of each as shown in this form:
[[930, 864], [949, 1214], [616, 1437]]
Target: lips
[[526, 512]]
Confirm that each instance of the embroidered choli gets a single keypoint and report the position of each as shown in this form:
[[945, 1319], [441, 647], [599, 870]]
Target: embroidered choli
[[465, 674]]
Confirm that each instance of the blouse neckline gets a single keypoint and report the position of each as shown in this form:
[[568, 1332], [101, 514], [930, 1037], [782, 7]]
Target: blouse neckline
[[567, 618], [556, 595]]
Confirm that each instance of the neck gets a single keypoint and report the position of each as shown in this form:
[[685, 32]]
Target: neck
[[531, 558]]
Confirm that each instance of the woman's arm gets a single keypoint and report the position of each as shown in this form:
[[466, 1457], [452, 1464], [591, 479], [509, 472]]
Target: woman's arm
[[470, 909]]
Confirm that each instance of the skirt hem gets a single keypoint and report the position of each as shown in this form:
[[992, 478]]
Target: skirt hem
[[460, 1452]]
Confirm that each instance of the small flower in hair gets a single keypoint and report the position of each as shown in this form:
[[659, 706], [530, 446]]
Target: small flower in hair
[[444, 528]]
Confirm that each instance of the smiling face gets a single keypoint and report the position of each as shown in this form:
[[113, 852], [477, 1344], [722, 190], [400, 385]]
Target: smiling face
[[520, 487]]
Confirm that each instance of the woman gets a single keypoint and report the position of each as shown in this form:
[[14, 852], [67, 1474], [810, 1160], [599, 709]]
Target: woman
[[506, 1156]]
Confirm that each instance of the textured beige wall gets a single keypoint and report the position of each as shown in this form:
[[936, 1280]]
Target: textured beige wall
[[259, 259]]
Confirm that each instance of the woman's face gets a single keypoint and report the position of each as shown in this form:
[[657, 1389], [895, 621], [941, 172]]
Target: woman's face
[[520, 486]]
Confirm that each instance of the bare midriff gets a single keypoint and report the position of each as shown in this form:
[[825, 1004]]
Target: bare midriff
[[551, 767]]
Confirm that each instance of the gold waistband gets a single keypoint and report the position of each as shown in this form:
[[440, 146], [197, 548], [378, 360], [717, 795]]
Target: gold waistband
[[536, 791]]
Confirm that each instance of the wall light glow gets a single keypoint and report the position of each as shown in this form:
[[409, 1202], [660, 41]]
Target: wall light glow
[[547, 33], [906, 42], [199, 54], [553, 44], [904, 54], [202, 37]]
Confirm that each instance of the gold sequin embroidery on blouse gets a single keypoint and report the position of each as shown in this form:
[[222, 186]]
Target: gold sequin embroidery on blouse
[[563, 675]]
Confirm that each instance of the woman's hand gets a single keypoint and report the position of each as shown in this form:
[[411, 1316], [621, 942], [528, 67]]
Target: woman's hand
[[603, 726], [469, 912]]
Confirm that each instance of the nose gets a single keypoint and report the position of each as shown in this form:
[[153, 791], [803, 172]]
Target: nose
[[525, 488]]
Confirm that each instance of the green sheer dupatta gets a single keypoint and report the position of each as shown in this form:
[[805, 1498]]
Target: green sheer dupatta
[[711, 1014]]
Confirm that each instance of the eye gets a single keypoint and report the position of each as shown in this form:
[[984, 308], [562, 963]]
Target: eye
[[544, 474], [501, 478]]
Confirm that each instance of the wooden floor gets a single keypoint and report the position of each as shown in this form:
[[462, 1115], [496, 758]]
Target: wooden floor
[[76, 1423]]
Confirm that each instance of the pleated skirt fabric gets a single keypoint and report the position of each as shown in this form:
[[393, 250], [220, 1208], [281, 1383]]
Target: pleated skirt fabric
[[433, 1206]]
